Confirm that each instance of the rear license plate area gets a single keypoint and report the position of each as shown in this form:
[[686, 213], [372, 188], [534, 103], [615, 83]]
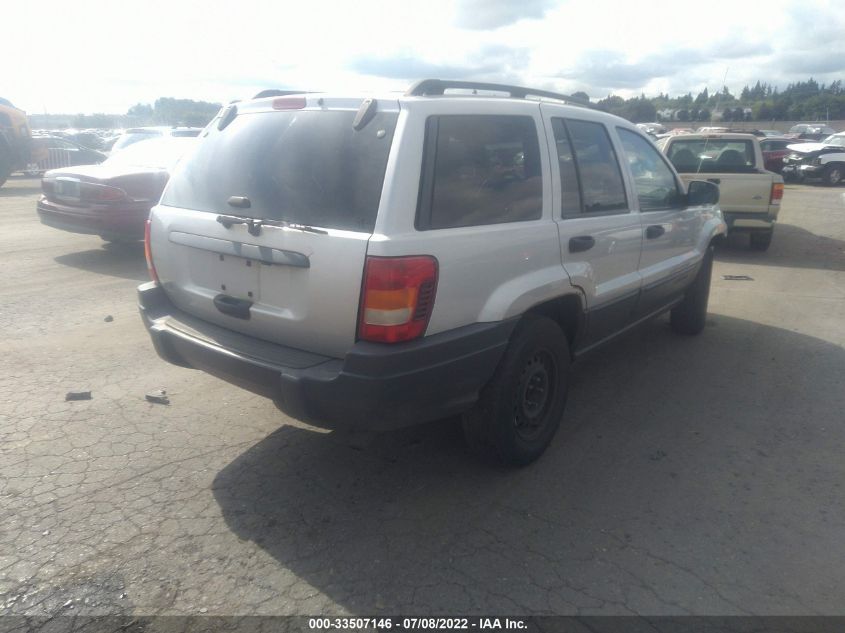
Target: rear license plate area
[[227, 274]]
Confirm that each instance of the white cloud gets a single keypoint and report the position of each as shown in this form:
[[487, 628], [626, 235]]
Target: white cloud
[[95, 56]]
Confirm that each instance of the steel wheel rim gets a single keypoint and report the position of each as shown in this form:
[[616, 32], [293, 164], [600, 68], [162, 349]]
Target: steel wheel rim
[[534, 394]]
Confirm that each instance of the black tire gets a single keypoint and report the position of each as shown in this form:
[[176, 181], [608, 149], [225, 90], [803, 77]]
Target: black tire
[[760, 240], [834, 174], [520, 409], [5, 166], [689, 316]]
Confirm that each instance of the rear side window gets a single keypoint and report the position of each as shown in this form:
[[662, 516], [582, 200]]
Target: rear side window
[[482, 169], [602, 187], [304, 167], [712, 156]]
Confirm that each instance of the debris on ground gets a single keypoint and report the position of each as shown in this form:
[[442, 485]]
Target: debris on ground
[[158, 397], [77, 395], [109, 319], [737, 278]]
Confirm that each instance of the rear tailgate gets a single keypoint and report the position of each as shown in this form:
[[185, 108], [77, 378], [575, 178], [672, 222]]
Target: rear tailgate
[[740, 193], [300, 189]]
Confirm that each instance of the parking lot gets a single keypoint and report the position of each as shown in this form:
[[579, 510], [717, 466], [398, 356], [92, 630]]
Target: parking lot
[[692, 475]]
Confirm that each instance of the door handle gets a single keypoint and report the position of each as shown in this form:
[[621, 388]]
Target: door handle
[[715, 181], [238, 308], [581, 243], [654, 231]]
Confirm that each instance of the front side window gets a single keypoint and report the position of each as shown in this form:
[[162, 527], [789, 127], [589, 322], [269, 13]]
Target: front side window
[[654, 182], [480, 169], [602, 187]]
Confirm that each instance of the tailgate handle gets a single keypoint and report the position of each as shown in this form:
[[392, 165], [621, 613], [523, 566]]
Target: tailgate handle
[[238, 308], [715, 181]]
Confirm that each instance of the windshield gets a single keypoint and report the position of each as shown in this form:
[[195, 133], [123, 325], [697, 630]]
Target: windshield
[[159, 153], [131, 138], [835, 139], [712, 156], [305, 167]]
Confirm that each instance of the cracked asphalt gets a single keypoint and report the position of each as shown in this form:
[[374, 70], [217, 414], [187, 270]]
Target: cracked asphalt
[[692, 475]]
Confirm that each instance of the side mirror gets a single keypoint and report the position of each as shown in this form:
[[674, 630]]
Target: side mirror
[[701, 192]]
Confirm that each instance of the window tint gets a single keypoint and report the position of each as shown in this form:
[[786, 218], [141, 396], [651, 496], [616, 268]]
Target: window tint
[[654, 181], [712, 156], [570, 195], [602, 187], [308, 167], [480, 170]]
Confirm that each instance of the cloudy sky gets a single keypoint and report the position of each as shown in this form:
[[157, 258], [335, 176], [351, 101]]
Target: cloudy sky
[[95, 56]]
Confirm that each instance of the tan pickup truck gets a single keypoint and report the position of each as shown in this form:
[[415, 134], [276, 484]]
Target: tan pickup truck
[[749, 197]]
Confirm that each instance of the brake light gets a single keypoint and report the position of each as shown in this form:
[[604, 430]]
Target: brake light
[[148, 252], [777, 193], [289, 103], [100, 193], [397, 298]]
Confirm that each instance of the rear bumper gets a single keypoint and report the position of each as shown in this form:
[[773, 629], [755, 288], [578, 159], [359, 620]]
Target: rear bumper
[[375, 387], [747, 222], [109, 222]]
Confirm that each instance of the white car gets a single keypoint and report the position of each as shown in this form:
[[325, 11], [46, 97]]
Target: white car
[[374, 262], [824, 160]]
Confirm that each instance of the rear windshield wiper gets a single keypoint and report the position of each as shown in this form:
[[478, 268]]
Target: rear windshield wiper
[[253, 225]]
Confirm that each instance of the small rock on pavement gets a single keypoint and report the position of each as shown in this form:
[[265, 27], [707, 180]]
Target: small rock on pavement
[[78, 395], [158, 397], [109, 319]]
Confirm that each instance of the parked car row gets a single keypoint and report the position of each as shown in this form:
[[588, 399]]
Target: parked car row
[[824, 160]]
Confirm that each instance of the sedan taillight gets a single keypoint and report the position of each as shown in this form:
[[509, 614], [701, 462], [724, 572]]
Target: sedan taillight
[[91, 192]]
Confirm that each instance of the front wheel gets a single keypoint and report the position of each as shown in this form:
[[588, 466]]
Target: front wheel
[[520, 409], [833, 175], [689, 316]]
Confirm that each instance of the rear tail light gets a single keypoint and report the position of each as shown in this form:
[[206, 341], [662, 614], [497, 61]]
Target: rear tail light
[[777, 193], [100, 193], [148, 252], [397, 298]]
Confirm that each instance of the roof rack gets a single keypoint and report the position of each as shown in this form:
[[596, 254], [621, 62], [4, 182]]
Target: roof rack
[[430, 87]]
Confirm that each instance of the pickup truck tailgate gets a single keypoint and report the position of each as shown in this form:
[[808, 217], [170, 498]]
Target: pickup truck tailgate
[[740, 193]]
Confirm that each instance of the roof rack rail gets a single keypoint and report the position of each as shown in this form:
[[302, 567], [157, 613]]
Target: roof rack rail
[[431, 87]]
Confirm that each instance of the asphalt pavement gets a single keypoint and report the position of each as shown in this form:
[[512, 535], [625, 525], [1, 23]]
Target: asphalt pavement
[[695, 475]]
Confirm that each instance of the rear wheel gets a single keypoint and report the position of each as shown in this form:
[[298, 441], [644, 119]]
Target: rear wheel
[[5, 165], [519, 410], [689, 316], [834, 174], [760, 240]]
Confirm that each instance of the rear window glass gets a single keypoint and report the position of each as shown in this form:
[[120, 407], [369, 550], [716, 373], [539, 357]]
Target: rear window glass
[[130, 138], [712, 156], [481, 169], [303, 167], [160, 153]]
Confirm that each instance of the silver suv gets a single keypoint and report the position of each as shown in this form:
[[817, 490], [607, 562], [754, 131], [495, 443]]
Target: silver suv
[[375, 263]]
